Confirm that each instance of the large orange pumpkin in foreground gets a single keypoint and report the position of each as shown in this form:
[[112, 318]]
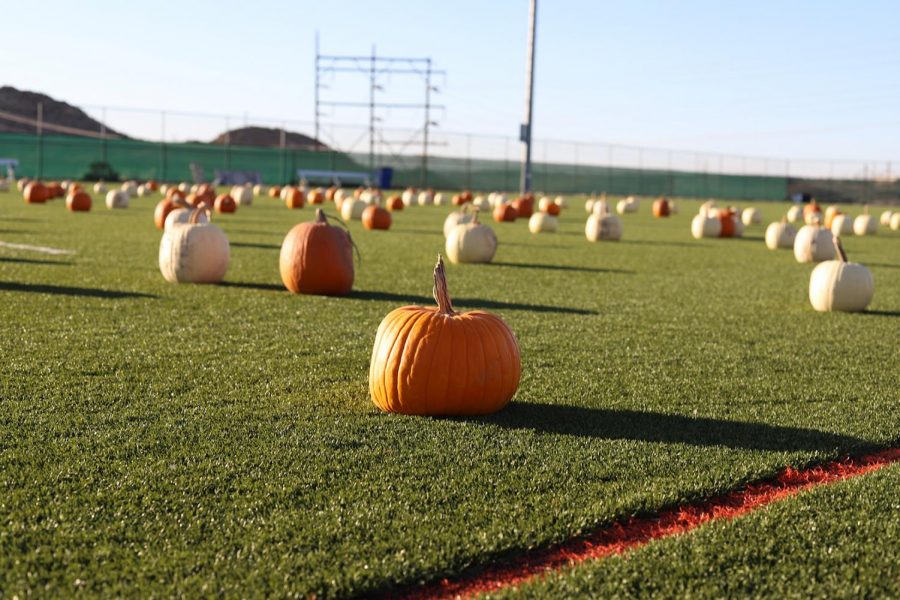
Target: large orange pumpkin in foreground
[[317, 258], [78, 201], [375, 217], [35, 193], [436, 361]]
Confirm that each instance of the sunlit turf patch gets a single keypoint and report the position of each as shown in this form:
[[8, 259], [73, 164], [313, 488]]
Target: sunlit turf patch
[[624, 536]]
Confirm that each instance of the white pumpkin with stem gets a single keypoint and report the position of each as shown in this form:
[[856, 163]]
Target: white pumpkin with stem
[[99, 188], [143, 191], [703, 226], [441, 199], [116, 199], [541, 222], [458, 217], [673, 208], [352, 208], [780, 235], [481, 203], [544, 202], [895, 221], [707, 208], [605, 227], [886, 218], [425, 198], [471, 242], [194, 252], [751, 216], [840, 285], [130, 188], [841, 224], [813, 244], [182, 215], [408, 197], [259, 190], [865, 224], [499, 200], [242, 194], [795, 214]]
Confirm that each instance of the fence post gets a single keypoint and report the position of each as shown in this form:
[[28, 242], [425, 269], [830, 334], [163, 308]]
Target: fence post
[[575, 179], [40, 140], [227, 143]]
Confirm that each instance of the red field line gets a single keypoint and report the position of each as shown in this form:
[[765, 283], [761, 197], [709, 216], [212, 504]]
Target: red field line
[[638, 531]]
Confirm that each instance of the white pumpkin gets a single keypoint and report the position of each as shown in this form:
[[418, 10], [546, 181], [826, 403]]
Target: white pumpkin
[[589, 205], [738, 227], [259, 190], [886, 218], [180, 216], [780, 235], [895, 221], [841, 225], [603, 227], [130, 188], [184, 187], [408, 197], [144, 190], [706, 208], [21, 183], [441, 199], [352, 208], [795, 214], [831, 212], [99, 188], [499, 200], [840, 285], [481, 203], [471, 243], [865, 224], [194, 252], [561, 202], [426, 198], [599, 207], [242, 194], [458, 217], [751, 216], [703, 226], [544, 203], [813, 244], [65, 183], [284, 192], [621, 207], [541, 222], [673, 208], [116, 199]]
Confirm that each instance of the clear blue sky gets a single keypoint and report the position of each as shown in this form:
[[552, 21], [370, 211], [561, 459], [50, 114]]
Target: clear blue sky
[[774, 78]]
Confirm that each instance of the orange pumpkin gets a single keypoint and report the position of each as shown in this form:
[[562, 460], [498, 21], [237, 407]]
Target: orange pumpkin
[[74, 187], [358, 192], [661, 208], [317, 197], [275, 192], [78, 202], [152, 184], [811, 209], [524, 206], [829, 217], [35, 193], [726, 219], [164, 207], [436, 361], [294, 198], [459, 199], [375, 217], [505, 212], [330, 192], [395, 203], [55, 190], [225, 204], [317, 258], [173, 193], [467, 196], [552, 209]]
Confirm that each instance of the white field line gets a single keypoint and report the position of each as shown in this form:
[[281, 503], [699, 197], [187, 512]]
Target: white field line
[[43, 249]]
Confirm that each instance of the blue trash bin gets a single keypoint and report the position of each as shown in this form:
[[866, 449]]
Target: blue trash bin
[[383, 176]]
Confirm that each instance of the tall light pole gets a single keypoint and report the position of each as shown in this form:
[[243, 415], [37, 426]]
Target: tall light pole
[[525, 132]]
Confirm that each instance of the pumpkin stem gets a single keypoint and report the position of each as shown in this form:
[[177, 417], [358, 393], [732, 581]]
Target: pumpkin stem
[[320, 216], [195, 214], [842, 255], [441, 294]]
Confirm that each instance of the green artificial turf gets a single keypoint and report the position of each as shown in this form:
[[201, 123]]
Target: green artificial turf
[[167, 439], [836, 541]]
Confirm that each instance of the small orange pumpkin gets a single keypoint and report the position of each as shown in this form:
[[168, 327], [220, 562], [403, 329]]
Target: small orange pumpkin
[[726, 219], [55, 190], [459, 199], [78, 201], [375, 217], [36, 193], [330, 192], [317, 196], [552, 209], [524, 206], [294, 198], [505, 213], [153, 185], [661, 207], [395, 203], [225, 204], [811, 209], [173, 193], [275, 192], [164, 207], [317, 258], [436, 361]]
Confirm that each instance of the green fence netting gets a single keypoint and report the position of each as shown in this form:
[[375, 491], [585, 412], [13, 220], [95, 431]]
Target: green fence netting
[[64, 157]]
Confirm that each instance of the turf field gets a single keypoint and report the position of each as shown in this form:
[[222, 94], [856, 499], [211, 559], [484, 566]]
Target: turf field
[[161, 439]]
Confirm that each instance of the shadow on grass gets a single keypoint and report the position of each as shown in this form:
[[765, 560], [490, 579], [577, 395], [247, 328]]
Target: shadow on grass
[[60, 290], [266, 287], [540, 246], [882, 265], [560, 268], [466, 303], [34, 261], [420, 232], [751, 238], [256, 232], [697, 244], [671, 429], [255, 245], [15, 231], [881, 313]]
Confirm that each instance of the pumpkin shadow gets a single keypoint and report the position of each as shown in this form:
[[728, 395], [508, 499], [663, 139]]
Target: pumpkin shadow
[[881, 313], [34, 261], [255, 245], [619, 424], [249, 285], [560, 268], [419, 232], [466, 303], [882, 265], [664, 243], [60, 290]]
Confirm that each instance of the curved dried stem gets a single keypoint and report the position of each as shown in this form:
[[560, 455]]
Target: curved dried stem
[[201, 208], [440, 291], [323, 217], [839, 248]]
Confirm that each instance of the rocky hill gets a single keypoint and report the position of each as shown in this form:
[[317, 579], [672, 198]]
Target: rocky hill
[[18, 114], [268, 137]]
